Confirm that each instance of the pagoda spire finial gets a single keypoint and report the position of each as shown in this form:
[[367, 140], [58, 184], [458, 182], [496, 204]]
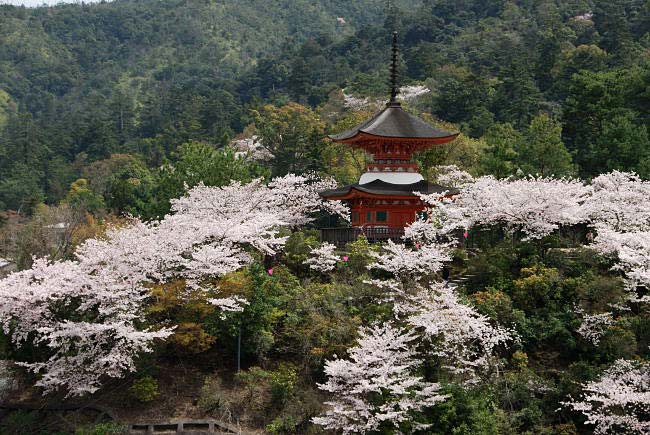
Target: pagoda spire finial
[[393, 72]]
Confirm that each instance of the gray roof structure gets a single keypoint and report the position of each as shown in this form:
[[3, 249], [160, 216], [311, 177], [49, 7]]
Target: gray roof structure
[[393, 121], [379, 187]]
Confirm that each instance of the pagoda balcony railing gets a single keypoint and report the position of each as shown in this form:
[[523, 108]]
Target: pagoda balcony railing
[[392, 167], [343, 235]]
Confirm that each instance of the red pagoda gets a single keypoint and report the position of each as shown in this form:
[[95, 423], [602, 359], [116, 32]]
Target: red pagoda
[[384, 200]]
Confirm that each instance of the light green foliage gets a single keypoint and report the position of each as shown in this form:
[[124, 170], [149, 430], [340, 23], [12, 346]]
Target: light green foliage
[[618, 342], [497, 305], [537, 288], [542, 151], [194, 163], [81, 196], [173, 303], [283, 382], [344, 163], [282, 425], [294, 136], [7, 106], [627, 142], [464, 151], [144, 389], [500, 156], [359, 255], [252, 378], [520, 360], [112, 428], [572, 60], [468, 412]]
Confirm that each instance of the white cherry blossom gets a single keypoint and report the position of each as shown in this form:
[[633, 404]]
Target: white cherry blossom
[[323, 258], [380, 366], [619, 401]]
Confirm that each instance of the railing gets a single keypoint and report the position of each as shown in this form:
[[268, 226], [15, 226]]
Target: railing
[[186, 427], [343, 235]]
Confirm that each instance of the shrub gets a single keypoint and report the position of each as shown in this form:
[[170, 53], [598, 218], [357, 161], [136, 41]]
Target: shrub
[[144, 389], [283, 382], [253, 379], [538, 288], [618, 343], [282, 425], [109, 428], [520, 360], [359, 255], [297, 249], [212, 399]]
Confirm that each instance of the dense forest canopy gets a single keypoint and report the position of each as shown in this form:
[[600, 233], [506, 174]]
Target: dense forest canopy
[[80, 83]]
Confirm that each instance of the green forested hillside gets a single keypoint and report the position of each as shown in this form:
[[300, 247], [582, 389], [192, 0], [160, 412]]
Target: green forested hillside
[[81, 83], [78, 83]]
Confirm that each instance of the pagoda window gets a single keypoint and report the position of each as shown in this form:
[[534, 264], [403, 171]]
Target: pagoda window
[[355, 217], [369, 216], [381, 216]]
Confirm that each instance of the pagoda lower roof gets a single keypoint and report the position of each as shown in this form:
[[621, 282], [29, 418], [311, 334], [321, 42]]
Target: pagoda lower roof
[[396, 123], [382, 188]]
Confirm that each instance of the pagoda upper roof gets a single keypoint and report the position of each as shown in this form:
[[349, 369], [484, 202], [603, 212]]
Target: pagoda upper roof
[[382, 188], [395, 122]]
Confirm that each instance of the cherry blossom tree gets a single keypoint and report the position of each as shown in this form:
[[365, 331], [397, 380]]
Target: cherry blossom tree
[[619, 202], [412, 92], [619, 401], [632, 252], [88, 322], [618, 210], [357, 103], [323, 258], [87, 313], [408, 94], [463, 340], [251, 148], [405, 262], [376, 387], [594, 326], [537, 206], [452, 176]]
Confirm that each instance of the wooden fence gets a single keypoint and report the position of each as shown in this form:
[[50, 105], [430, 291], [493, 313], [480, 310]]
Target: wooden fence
[[185, 427]]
